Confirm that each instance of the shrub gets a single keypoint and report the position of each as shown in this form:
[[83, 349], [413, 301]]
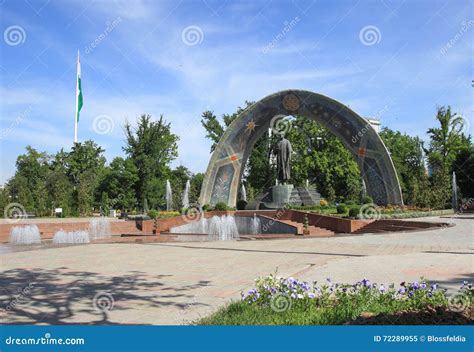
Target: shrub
[[354, 212], [153, 214], [241, 204], [341, 209], [221, 206], [367, 200], [323, 203], [350, 202], [206, 207]]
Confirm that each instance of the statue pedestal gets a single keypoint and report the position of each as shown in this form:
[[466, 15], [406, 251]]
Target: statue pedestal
[[281, 194]]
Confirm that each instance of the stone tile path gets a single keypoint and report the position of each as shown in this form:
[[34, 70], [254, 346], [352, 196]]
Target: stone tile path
[[175, 283]]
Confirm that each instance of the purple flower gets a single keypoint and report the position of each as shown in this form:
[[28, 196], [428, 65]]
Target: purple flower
[[415, 285], [382, 289], [429, 293], [434, 287], [366, 282], [311, 295], [328, 279], [402, 291], [423, 285]]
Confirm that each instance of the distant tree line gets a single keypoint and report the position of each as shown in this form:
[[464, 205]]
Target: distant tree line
[[80, 182]]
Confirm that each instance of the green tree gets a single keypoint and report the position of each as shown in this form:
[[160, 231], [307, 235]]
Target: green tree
[[320, 157], [28, 185], [195, 191], [178, 178], [446, 141], [464, 169], [151, 146], [407, 156], [60, 190], [118, 181]]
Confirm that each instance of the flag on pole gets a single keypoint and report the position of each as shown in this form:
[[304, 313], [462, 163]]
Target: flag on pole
[[79, 100]]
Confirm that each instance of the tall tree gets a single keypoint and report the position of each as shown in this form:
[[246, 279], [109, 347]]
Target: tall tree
[[151, 146], [464, 169], [34, 168], [407, 156], [118, 181], [446, 141]]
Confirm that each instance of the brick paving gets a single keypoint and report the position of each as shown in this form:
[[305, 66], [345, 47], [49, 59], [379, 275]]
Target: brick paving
[[176, 283]]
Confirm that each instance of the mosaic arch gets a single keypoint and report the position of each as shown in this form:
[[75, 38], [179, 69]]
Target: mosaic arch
[[224, 172]]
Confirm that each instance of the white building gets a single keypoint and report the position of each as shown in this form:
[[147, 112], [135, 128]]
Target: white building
[[375, 123]]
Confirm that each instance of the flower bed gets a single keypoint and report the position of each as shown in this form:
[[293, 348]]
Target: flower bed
[[288, 301]]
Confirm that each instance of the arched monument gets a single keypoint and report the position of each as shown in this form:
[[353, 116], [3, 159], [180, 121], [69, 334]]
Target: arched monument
[[224, 172]]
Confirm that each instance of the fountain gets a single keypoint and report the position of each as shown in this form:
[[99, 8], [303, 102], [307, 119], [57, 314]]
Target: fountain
[[71, 237], [255, 225], [99, 228], [25, 235], [223, 228], [168, 196], [186, 195], [243, 193], [220, 228]]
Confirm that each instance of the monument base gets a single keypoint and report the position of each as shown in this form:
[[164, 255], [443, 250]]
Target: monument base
[[281, 196]]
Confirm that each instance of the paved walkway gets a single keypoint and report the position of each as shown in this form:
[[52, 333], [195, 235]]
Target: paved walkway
[[175, 283]]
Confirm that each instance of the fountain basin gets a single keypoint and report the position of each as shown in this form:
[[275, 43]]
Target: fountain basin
[[229, 227]]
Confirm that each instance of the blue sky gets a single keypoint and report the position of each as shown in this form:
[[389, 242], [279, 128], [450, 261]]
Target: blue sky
[[387, 59]]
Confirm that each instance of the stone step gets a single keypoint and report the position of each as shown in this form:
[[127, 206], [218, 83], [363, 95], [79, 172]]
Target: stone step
[[313, 230]]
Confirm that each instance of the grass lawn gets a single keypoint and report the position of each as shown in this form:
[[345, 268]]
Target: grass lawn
[[242, 313]]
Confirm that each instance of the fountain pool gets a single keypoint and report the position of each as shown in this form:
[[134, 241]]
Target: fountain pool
[[71, 237]]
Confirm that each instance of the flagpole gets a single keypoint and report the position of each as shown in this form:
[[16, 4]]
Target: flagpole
[[77, 100]]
